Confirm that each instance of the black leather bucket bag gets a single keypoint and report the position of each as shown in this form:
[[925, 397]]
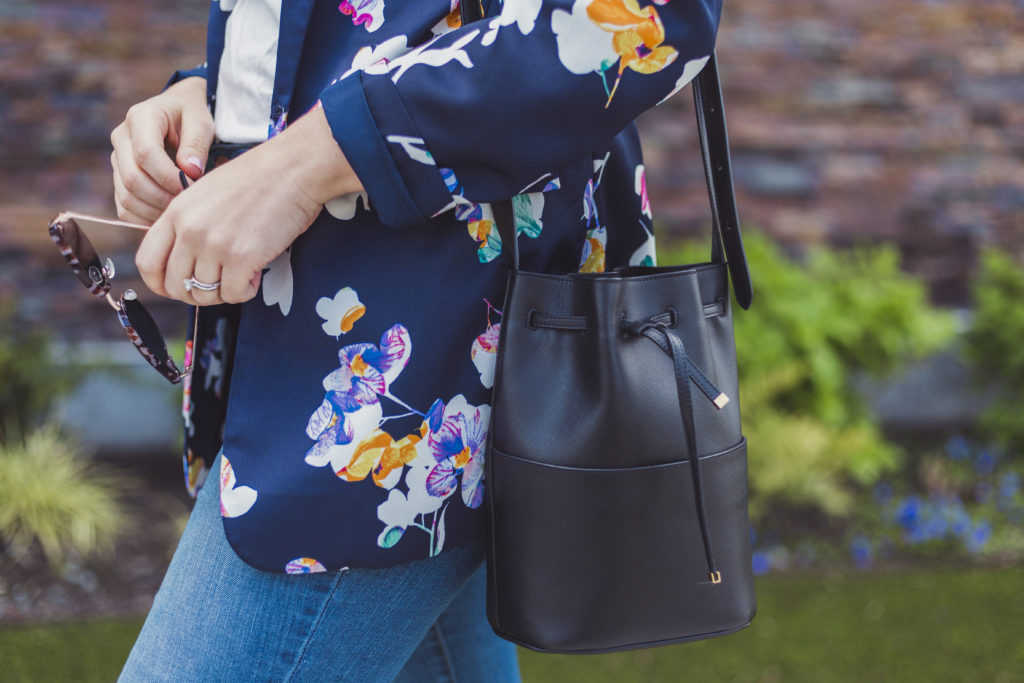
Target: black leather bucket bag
[[617, 471]]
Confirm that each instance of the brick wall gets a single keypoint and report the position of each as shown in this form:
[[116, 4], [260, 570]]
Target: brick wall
[[859, 121], [850, 122]]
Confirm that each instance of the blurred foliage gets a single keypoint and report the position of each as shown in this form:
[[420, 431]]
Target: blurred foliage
[[29, 381], [815, 324], [995, 345], [51, 495]]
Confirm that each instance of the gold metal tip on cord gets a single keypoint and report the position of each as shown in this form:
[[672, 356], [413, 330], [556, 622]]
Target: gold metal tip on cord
[[716, 577], [721, 401]]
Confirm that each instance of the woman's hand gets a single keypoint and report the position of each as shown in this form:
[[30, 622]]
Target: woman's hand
[[145, 177], [232, 222]]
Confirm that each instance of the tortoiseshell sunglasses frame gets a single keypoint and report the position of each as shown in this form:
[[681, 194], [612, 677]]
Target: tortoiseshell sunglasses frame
[[136, 321]]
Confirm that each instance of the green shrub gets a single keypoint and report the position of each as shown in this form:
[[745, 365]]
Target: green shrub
[[52, 495], [814, 326], [29, 382], [995, 346]]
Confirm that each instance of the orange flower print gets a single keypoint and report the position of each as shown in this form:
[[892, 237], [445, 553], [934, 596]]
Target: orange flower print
[[304, 565], [485, 233], [593, 251], [597, 34], [637, 36], [379, 455], [454, 18], [593, 258]]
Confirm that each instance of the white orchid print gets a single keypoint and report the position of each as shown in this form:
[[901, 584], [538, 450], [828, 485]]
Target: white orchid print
[[341, 312], [277, 282]]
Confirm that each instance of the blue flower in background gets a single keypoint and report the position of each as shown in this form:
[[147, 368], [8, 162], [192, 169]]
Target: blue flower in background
[[1009, 485], [951, 507], [957, 448], [935, 527], [761, 563], [961, 523], [985, 462], [860, 550], [908, 512], [975, 541]]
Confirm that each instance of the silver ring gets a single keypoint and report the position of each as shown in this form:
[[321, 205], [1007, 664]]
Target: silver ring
[[192, 283]]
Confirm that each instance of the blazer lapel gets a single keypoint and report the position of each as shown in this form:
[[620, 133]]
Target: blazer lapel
[[295, 16]]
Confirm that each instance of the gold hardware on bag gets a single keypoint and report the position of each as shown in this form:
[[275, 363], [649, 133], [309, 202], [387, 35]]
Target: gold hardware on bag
[[716, 577]]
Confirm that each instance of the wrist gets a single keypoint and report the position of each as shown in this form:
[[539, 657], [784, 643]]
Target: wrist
[[314, 160], [189, 88]]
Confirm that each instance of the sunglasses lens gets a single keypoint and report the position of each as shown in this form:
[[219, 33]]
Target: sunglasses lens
[[80, 255], [140, 327]]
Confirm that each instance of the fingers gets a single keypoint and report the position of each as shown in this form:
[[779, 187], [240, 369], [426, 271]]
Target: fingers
[[180, 265], [151, 258], [146, 176], [194, 140], [137, 194], [148, 129], [209, 272], [142, 208], [173, 252], [237, 283]]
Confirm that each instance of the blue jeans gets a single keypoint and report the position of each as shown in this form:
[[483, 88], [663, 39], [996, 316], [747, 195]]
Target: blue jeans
[[215, 618]]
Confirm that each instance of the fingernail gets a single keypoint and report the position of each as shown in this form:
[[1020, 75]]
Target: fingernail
[[194, 161]]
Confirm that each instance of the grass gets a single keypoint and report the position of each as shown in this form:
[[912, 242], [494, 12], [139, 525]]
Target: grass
[[906, 626], [66, 652], [962, 625]]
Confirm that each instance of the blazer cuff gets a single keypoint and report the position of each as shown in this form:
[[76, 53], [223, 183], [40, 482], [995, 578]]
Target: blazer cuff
[[386, 151], [186, 73]]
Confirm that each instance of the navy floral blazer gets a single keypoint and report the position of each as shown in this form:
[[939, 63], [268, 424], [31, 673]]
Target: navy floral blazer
[[357, 382]]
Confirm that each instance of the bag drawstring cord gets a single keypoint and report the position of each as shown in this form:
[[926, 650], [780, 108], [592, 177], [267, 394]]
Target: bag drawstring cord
[[658, 330]]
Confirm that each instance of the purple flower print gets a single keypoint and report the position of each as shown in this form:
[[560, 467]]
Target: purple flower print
[[365, 374], [366, 371], [458, 447]]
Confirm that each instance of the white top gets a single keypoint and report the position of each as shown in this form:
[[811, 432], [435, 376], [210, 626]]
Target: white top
[[245, 84]]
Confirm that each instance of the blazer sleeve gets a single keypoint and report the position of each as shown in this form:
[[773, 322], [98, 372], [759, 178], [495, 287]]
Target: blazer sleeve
[[186, 73], [496, 107]]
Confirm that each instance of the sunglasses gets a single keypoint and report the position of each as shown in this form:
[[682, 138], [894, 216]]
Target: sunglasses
[[97, 274]]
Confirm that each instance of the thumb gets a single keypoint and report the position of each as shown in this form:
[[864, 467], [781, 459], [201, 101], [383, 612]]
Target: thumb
[[196, 136]]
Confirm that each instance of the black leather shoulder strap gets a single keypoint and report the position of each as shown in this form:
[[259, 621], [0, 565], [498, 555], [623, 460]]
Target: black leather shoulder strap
[[714, 147], [470, 11]]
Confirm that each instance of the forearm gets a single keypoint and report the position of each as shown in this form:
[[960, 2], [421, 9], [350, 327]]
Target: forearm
[[307, 152], [192, 87]]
